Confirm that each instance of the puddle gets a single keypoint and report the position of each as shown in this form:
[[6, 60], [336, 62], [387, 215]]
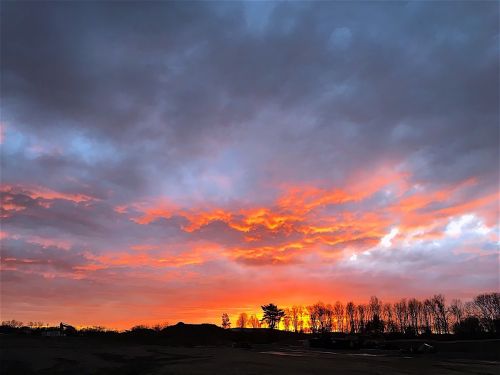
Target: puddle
[[288, 354], [296, 353], [317, 351]]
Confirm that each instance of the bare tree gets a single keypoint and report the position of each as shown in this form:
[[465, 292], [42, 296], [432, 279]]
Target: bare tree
[[428, 315], [374, 307], [320, 317], [338, 310], [12, 323], [470, 309], [287, 319], [226, 323], [456, 311], [314, 323], [361, 317], [400, 310], [242, 320], [388, 317], [488, 308], [36, 324], [414, 307], [350, 310], [328, 316], [253, 322], [158, 327], [440, 314], [297, 313]]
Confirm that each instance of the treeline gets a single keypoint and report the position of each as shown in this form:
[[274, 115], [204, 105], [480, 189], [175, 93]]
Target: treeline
[[46, 329], [41, 328], [410, 316]]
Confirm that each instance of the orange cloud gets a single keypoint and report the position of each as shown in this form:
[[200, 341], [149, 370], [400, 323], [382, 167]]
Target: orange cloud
[[149, 211], [300, 212], [41, 192], [196, 255], [282, 254], [144, 247], [198, 220]]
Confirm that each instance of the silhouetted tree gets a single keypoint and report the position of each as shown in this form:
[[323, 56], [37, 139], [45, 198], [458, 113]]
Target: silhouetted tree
[[141, 330], [160, 326], [375, 325], [338, 312], [469, 326], [427, 312], [488, 309], [36, 325], [414, 307], [287, 319], [374, 308], [470, 309], [226, 323], [361, 317], [350, 310], [12, 323], [272, 315], [297, 313], [253, 322], [321, 317], [328, 316], [242, 320], [440, 313], [313, 318], [456, 311], [388, 317], [401, 313]]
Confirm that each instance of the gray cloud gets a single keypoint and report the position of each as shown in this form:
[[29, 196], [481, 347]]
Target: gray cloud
[[172, 84]]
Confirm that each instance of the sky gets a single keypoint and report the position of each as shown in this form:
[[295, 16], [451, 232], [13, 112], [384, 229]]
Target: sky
[[171, 161]]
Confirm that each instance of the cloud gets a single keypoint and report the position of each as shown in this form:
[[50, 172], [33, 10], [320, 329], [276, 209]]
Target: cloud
[[248, 147]]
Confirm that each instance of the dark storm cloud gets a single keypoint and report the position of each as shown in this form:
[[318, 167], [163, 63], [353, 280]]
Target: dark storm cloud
[[170, 81], [145, 98], [103, 68], [105, 178]]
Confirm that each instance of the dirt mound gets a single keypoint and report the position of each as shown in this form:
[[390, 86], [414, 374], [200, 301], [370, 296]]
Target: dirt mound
[[196, 334]]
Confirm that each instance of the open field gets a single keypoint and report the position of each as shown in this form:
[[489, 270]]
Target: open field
[[84, 355]]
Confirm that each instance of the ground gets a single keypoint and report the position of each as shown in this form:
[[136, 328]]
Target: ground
[[81, 355]]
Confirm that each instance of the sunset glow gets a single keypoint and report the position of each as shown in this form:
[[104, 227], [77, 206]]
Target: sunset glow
[[214, 157]]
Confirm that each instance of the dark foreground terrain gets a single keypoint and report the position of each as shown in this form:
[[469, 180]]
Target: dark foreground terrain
[[91, 355]]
